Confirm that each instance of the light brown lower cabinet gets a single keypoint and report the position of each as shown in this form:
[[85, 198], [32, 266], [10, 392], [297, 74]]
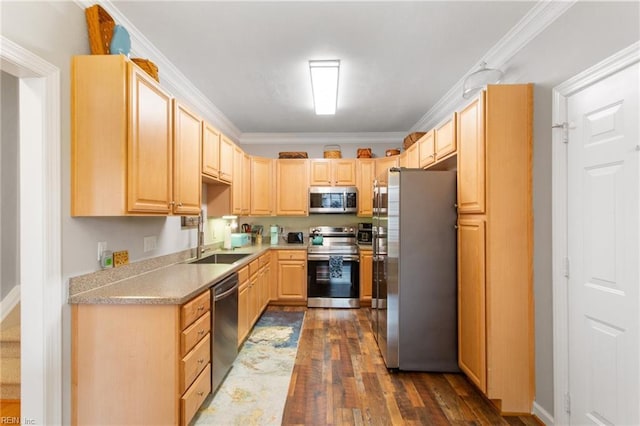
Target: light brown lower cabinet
[[140, 364], [366, 276], [253, 294], [292, 276]]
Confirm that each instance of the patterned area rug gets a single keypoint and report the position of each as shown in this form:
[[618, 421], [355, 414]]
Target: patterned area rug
[[255, 390]]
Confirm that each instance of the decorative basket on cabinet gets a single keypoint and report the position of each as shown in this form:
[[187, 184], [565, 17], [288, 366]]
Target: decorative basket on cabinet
[[332, 151]]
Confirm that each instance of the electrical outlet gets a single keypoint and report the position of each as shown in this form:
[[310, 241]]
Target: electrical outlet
[[150, 243], [102, 246], [120, 258]]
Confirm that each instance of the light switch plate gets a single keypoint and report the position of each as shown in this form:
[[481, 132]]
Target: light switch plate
[[150, 243]]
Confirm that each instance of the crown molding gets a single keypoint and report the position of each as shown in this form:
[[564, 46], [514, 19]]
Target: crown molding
[[543, 14], [322, 138], [172, 78]]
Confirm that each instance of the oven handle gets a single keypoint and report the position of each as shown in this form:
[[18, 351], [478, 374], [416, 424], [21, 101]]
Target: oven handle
[[349, 257]]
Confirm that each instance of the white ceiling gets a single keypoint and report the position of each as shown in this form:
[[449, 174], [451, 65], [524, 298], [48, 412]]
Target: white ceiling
[[250, 58]]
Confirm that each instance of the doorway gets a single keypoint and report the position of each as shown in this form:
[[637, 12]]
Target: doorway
[[596, 247], [39, 233]]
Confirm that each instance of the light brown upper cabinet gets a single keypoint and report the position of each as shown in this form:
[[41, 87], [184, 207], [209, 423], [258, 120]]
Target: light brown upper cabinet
[[426, 149], [187, 142], [471, 158], [121, 141], [495, 261], [237, 185], [292, 189], [413, 161], [402, 159], [383, 164], [246, 183], [210, 151], [227, 149], [332, 172], [445, 138], [365, 173], [261, 186]]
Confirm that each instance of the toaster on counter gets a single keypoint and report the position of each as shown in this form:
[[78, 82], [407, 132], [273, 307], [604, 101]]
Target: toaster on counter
[[294, 238]]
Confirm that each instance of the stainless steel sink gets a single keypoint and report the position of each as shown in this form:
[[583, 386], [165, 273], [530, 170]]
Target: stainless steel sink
[[226, 258]]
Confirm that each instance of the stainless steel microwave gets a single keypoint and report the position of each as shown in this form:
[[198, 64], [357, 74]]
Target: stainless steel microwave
[[333, 199]]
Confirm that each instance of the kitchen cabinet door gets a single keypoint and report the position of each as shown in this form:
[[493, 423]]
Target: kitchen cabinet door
[[254, 299], [364, 182], [402, 159], [320, 172], [292, 275], [366, 275], [332, 172], [344, 172], [246, 184], [210, 151], [445, 138], [472, 301], [187, 143], [227, 151], [426, 149], [150, 148], [471, 157], [413, 162], [383, 164], [237, 185], [243, 304], [292, 177], [261, 186]]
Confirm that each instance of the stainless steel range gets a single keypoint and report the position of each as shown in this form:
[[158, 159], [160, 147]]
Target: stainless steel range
[[333, 268]]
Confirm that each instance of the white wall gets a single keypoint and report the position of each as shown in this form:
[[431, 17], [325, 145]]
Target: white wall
[[586, 34], [9, 207]]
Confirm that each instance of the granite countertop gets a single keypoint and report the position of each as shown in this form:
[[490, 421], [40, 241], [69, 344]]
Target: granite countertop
[[173, 284]]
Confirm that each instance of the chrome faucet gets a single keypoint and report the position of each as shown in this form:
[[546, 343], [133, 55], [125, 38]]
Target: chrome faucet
[[200, 247]]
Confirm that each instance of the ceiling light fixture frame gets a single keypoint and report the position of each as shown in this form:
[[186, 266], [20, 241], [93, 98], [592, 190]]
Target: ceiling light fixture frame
[[325, 75]]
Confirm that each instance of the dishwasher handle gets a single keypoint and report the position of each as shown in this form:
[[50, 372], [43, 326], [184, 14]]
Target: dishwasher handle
[[225, 288]]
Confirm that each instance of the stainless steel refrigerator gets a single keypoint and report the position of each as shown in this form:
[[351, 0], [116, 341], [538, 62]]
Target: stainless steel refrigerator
[[414, 303]]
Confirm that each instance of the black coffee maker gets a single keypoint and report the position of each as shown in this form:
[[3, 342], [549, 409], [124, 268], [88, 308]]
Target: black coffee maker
[[365, 233]]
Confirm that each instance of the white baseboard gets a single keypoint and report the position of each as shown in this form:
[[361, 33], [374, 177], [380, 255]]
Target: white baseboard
[[9, 302], [542, 414]]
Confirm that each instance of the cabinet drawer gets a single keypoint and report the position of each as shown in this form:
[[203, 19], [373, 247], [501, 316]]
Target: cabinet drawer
[[243, 274], [265, 259], [292, 255], [194, 333], [192, 364], [253, 267], [193, 398], [194, 309]]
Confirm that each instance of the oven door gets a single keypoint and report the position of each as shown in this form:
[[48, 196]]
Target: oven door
[[333, 281]]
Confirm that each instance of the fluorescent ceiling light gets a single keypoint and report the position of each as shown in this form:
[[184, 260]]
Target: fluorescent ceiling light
[[324, 85]]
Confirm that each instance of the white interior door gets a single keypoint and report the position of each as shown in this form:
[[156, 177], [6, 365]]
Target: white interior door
[[603, 238]]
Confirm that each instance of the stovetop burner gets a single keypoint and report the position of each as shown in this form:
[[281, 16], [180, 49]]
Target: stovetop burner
[[334, 240]]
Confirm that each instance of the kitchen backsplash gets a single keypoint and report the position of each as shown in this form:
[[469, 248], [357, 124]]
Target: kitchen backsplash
[[302, 224]]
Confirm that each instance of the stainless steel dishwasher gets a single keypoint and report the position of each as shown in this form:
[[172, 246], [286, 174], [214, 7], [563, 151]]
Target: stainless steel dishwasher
[[224, 345]]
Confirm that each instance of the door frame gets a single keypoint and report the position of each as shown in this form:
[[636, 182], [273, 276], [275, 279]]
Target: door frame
[[42, 290], [561, 93]]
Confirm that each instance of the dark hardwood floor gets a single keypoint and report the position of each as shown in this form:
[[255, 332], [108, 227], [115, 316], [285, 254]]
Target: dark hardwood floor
[[340, 378]]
